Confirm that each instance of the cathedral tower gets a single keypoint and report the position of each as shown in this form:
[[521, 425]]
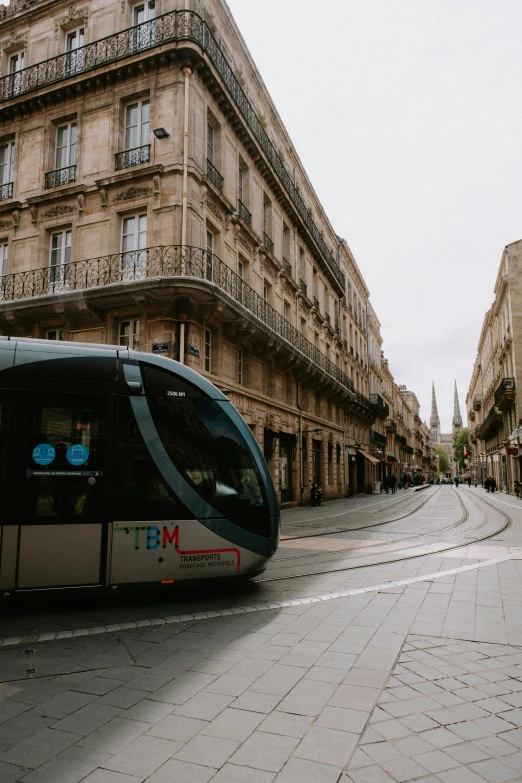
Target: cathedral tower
[[456, 423], [434, 418]]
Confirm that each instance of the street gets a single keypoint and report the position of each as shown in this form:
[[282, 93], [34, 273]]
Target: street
[[407, 669]]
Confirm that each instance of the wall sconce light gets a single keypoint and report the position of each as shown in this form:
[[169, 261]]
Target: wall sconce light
[[161, 133]]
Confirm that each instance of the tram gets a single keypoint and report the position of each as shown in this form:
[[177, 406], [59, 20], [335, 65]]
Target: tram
[[122, 467]]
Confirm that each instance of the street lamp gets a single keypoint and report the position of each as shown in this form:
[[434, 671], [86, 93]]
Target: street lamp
[[161, 133]]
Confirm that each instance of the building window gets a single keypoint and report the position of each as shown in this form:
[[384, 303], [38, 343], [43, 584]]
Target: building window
[[133, 244], [3, 258], [210, 255], [54, 334], [144, 14], [208, 350], [65, 145], [240, 366], [286, 244], [60, 256], [14, 82], [241, 184], [210, 143], [7, 152], [136, 135], [75, 57], [130, 334], [137, 117]]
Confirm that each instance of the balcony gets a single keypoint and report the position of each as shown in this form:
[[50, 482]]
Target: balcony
[[505, 393], [491, 423], [477, 402], [376, 437], [303, 288], [327, 318], [214, 176], [400, 439], [171, 28], [382, 409], [316, 303], [52, 179], [287, 267], [6, 191], [128, 158], [103, 274], [267, 242], [244, 214]]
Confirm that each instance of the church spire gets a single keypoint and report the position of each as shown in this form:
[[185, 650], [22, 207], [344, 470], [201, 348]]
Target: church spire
[[457, 418], [434, 418]]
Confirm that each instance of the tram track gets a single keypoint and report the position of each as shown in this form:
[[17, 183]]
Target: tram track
[[353, 566], [362, 510]]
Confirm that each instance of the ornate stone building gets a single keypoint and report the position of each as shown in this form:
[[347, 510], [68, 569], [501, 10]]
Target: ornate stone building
[[494, 410], [150, 196]]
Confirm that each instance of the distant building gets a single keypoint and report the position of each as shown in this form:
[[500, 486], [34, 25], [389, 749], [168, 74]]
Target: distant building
[[445, 439]]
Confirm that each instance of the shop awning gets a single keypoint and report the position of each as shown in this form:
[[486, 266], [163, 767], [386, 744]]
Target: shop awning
[[369, 456]]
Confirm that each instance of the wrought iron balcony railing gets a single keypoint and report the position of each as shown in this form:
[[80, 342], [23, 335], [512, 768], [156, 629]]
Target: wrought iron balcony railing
[[505, 393], [376, 437], [303, 288], [128, 158], [316, 302], [172, 27], [381, 406], [170, 261], [287, 267], [345, 345], [268, 242], [327, 318], [243, 213], [214, 176], [60, 177], [491, 423], [6, 191]]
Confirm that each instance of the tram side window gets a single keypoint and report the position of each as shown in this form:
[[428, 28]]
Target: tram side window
[[210, 452], [139, 492], [4, 420], [65, 459]]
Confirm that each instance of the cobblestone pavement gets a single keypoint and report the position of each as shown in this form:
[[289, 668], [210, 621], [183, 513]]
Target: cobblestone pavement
[[414, 673]]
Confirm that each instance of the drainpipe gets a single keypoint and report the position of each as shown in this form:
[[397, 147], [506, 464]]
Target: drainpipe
[[187, 72]]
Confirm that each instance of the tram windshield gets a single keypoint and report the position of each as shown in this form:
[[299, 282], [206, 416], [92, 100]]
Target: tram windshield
[[210, 452]]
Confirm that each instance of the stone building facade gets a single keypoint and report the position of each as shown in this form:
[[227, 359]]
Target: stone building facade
[[150, 196], [493, 407]]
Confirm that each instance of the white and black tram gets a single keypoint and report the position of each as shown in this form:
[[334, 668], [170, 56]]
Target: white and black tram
[[123, 467]]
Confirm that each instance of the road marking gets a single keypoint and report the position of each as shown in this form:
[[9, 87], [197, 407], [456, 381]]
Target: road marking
[[12, 641]]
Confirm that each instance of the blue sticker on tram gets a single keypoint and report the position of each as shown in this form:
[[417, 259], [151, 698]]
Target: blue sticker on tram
[[44, 454], [77, 454]]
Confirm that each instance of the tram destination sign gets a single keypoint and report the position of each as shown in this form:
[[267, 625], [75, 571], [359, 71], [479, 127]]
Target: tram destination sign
[[160, 347]]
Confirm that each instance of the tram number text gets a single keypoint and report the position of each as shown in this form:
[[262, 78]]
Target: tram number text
[[176, 394]]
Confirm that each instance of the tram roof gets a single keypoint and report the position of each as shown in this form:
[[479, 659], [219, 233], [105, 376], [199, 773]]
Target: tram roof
[[18, 351]]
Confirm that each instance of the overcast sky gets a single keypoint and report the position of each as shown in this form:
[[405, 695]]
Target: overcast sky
[[407, 117]]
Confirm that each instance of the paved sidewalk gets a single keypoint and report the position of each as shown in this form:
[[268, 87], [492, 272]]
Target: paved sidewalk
[[415, 675]]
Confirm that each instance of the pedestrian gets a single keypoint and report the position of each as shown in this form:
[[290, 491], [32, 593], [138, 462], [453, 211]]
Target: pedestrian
[[487, 484], [475, 483], [393, 484], [469, 481], [493, 483], [456, 480], [385, 485]]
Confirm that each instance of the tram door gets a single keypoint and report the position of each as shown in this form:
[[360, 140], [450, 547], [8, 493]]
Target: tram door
[[56, 489]]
